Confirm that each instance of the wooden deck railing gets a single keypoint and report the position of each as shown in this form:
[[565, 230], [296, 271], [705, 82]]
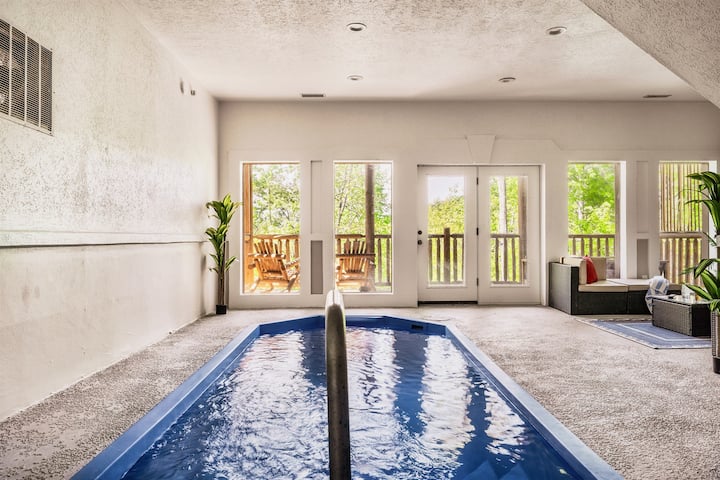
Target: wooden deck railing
[[595, 245], [681, 250], [446, 253], [592, 244], [446, 264], [290, 246], [445, 258], [509, 264], [383, 256]]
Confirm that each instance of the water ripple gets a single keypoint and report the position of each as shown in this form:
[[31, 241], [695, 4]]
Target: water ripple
[[417, 411]]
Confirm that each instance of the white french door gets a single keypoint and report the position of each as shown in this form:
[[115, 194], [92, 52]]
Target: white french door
[[447, 245], [478, 234]]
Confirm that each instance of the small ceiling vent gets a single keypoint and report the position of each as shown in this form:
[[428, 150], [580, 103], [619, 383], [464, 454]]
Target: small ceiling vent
[[25, 79], [312, 95]]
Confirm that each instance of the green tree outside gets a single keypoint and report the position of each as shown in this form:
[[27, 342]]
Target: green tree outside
[[276, 199], [504, 203], [448, 212], [591, 198], [349, 209]]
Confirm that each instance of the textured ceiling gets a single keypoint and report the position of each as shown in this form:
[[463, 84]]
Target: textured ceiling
[[411, 50], [683, 35]]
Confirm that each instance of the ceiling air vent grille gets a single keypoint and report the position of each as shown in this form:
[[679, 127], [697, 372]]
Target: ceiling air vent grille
[[25, 79]]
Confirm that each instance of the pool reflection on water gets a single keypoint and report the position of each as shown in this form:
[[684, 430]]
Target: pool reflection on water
[[418, 410]]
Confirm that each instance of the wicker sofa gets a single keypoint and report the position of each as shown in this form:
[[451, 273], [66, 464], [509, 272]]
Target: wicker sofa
[[570, 292]]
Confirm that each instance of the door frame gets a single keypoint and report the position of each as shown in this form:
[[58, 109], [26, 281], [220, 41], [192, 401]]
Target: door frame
[[477, 286], [529, 292]]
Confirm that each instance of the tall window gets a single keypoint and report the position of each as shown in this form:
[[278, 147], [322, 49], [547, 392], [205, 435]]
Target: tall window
[[592, 211], [682, 242], [363, 226], [271, 227]]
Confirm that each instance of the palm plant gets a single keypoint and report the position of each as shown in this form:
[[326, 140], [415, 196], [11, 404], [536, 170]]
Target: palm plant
[[707, 269], [709, 192], [224, 211]]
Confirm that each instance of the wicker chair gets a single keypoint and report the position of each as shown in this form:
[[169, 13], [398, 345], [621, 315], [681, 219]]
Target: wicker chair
[[273, 268], [355, 266]]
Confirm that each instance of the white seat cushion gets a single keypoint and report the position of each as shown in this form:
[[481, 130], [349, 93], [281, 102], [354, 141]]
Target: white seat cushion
[[633, 284], [603, 286], [639, 284]]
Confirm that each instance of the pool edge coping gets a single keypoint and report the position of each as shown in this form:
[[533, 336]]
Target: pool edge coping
[[573, 450]]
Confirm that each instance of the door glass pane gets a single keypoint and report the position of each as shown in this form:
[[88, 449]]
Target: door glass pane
[[446, 230], [508, 239], [271, 227], [363, 226]]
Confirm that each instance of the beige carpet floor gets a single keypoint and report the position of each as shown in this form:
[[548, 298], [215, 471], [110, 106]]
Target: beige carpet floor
[[651, 414]]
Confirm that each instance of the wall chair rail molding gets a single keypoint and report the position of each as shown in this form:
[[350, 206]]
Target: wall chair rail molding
[[16, 239]]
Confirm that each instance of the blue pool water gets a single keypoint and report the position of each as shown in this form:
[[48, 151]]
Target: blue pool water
[[422, 406]]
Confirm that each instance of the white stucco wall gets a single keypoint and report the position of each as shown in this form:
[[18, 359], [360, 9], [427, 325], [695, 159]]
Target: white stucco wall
[[429, 133], [101, 224]]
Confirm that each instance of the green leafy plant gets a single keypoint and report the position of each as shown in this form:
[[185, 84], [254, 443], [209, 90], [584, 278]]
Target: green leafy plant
[[709, 190], [707, 270], [223, 211]]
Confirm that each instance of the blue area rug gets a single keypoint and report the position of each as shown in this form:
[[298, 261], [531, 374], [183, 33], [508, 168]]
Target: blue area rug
[[648, 334]]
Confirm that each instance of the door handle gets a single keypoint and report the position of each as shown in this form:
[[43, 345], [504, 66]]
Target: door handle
[[419, 242]]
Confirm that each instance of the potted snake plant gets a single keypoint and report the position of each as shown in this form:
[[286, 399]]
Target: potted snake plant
[[223, 211], [708, 190]]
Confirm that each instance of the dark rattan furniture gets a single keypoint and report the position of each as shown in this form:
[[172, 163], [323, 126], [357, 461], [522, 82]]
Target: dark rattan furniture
[[623, 296], [564, 294], [690, 318]]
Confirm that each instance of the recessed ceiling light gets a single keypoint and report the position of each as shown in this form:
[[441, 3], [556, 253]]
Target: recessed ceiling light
[[312, 95], [507, 79], [553, 31], [664, 95], [355, 78], [356, 27]]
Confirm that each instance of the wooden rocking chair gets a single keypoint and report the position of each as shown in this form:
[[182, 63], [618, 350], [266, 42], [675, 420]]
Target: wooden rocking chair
[[273, 269], [356, 266]]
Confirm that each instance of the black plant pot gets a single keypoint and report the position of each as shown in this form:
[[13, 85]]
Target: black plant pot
[[715, 340], [220, 309]]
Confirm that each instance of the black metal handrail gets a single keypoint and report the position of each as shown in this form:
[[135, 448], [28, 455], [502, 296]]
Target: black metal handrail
[[337, 387]]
